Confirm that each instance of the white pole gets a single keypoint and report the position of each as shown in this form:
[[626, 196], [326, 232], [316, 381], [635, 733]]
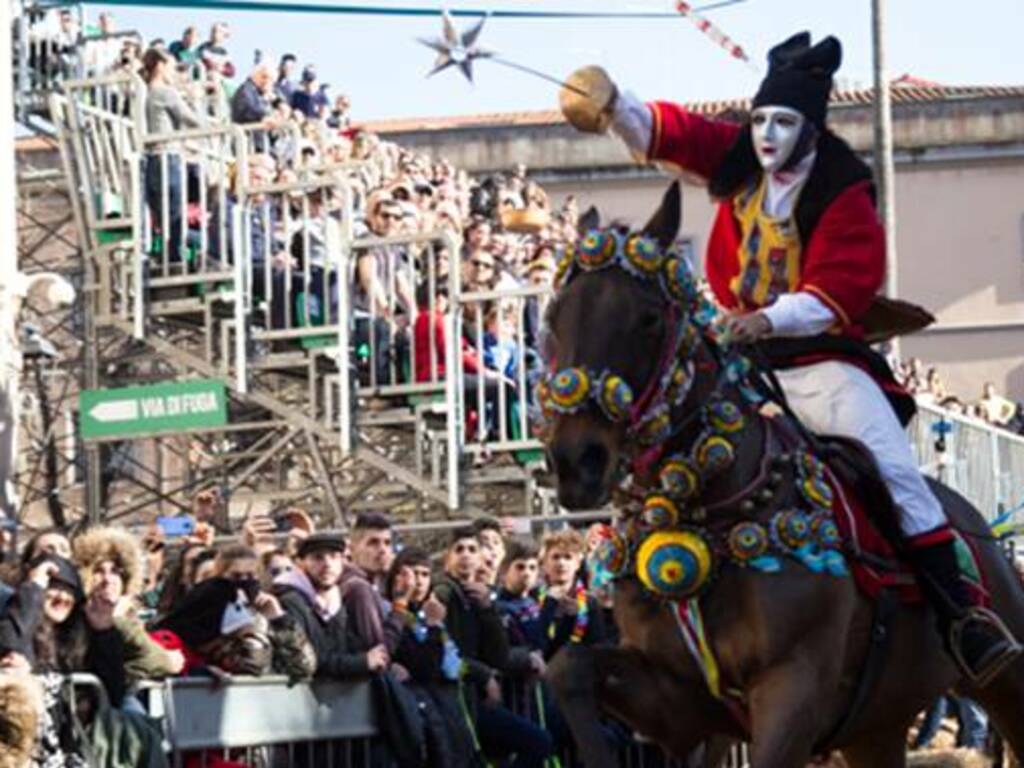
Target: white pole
[[10, 355], [885, 172]]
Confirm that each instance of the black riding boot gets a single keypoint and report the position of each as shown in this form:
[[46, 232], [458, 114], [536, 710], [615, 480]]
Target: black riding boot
[[975, 637]]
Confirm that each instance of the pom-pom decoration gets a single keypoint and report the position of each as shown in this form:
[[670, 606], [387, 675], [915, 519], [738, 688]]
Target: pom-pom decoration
[[660, 512], [678, 477], [643, 254], [714, 455], [747, 541], [791, 529], [596, 250], [616, 397], [568, 389]]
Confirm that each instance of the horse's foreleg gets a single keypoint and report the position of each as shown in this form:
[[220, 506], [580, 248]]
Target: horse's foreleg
[[785, 713], [573, 676]]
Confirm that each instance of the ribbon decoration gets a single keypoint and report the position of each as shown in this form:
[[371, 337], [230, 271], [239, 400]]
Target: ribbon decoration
[[716, 35]]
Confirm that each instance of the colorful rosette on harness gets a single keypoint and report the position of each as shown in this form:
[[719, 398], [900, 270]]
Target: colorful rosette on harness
[[674, 564], [679, 478], [615, 397], [826, 532], [611, 554], [791, 529], [643, 255], [725, 416], [660, 512], [597, 249], [678, 280], [568, 389], [747, 541], [816, 490], [714, 455]]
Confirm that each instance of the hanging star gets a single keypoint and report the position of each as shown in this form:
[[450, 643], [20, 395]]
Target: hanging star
[[454, 49]]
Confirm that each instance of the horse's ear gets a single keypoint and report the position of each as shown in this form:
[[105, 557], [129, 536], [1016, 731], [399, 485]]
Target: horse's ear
[[588, 221], [664, 224]]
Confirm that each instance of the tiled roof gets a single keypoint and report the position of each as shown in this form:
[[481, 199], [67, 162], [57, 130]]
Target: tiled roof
[[906, 90]]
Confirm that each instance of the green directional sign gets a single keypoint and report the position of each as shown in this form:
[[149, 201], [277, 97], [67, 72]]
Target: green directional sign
[[173, 406]]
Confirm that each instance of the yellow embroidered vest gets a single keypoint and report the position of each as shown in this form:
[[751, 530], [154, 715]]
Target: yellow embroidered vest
[[769, 255]]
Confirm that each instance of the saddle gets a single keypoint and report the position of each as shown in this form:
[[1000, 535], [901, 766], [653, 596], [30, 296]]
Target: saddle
[[868, 523]]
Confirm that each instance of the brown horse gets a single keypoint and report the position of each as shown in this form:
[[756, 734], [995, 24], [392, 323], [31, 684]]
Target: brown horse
[[794, 644]]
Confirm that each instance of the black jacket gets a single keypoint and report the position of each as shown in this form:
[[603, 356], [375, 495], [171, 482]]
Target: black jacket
[[478, 632], [330, 639]]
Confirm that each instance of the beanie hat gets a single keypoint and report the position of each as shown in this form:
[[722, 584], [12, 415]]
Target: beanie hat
[[800, 76]]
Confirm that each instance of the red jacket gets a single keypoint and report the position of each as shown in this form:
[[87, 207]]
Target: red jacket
[[421, 340], [843, 260]]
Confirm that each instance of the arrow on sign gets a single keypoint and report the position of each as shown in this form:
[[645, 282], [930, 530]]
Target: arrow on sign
[[116, 410]]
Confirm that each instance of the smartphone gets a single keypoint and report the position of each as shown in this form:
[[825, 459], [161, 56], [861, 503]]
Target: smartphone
[[180, 525]]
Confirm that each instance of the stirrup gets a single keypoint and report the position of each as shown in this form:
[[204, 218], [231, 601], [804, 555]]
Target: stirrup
[[996, 659]]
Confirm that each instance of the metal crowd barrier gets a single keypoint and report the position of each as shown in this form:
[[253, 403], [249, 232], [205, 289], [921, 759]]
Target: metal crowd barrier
[[980, 461], [262, 721]]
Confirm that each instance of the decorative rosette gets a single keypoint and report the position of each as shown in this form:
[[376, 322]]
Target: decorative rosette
[[809, 465], [660, 512], [656, 427], [725, 416], [596, 249], [611, 552], [826, 532], [817, 491], [680, 381], [678, 477], [615, 397], [568, 390], [678, 280], [747, 541], [674, 564], [714, 454], [791, 529], [564, 265], [643, 254]]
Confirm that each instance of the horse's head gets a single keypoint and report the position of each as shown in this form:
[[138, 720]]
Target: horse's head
[[614, 334]]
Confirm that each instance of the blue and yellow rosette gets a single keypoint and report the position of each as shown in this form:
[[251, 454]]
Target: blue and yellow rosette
[[747, 541], [660, 512], [725, 416], [643, 254], [715, 454], [675, 565], [678, 281], [597, 249], [679, 477], [568, 389], [791, 529], [615, 398]]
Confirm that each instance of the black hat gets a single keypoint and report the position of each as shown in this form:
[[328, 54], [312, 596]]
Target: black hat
[[317, 542], [800, 76], [66, 575]]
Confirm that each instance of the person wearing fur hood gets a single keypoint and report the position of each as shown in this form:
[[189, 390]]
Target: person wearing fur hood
[[110, 564]]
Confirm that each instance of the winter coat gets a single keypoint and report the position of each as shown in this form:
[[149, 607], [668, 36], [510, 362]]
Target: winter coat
[[478, 632]]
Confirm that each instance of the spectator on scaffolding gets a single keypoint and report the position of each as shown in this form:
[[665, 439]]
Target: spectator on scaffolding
[[186, 49], [285, 85], [500, 350], [994, 408], [308, 98], [310, 594], [540, 273], [251, 104], [103, 47], [339, 119], [476, 628], [214, 54], [378, 269], [166, 112], [423, 648]]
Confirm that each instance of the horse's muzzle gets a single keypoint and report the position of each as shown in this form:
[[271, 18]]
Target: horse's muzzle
[[583, 470]]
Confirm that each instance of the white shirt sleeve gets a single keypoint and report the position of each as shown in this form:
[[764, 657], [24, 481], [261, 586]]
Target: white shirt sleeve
[[799, 314], [632, 122]]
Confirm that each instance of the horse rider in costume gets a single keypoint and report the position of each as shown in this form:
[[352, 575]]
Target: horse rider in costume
[[796, 257]]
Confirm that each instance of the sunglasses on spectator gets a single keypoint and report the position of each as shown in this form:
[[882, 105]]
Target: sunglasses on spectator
[[275, 572]]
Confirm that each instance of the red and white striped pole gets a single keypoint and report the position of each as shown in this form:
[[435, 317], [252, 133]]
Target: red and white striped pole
[[716, 35]]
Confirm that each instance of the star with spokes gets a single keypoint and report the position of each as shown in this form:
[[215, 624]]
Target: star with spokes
[[461, 50], [458, 50]]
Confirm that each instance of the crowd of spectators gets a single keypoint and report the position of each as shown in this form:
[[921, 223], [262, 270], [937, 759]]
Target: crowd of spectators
[[927, 386], [457, 633]]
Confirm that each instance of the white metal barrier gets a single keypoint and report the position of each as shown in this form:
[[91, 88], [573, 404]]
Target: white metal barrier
[[980, 461]]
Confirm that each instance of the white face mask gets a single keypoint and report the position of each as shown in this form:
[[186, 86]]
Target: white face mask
[[775, 132]]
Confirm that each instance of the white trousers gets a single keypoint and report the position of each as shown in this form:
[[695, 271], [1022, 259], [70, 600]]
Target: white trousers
[[836, 398]]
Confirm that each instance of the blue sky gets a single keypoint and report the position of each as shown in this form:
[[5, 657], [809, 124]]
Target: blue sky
[[378, 63]]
